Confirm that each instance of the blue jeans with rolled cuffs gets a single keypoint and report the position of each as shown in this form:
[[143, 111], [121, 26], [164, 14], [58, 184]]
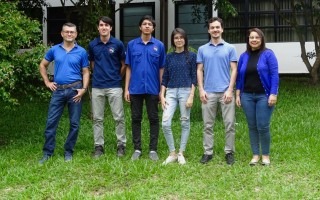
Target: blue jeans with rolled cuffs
[[61, 98], [175, 97], [258, 114]]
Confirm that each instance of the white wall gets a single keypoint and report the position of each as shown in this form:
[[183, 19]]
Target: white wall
[[288, 55]]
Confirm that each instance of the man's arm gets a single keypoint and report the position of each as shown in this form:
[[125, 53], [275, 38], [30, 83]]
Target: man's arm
[[43, 72], [228, 95], [91, 65], [85, 83], [127, 81], [123, 68], [202, 93]]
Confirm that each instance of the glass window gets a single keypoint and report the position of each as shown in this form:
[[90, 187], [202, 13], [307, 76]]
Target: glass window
[[129, 19], [196, 28], [262, 14]]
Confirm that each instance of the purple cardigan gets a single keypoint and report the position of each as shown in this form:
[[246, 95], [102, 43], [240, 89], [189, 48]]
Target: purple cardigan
[[267, 68]]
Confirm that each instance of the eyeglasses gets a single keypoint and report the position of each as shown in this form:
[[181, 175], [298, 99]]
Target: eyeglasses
[[69, 32], [252, 37]]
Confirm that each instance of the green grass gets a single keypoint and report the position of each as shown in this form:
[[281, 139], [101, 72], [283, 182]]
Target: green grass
[[294, 173]]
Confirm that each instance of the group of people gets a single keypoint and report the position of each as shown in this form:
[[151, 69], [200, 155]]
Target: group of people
[[152, 76]]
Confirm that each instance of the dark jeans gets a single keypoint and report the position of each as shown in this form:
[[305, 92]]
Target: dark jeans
[[136, 116], [59, 99], [258, 114]]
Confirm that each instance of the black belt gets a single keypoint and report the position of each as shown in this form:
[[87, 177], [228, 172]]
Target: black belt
[[65, 86]]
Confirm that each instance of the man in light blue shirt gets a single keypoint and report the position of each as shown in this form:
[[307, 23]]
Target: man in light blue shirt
[[215, 60]]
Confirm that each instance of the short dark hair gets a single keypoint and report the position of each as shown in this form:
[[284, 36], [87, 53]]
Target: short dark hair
[[213, 19], [184, 35], [106, 20], [261, 35], [69, 24], [149, 18]]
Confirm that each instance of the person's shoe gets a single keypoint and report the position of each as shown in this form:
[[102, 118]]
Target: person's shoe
[[136, 155], [254, 161], [121, 150], [205, 158], [181, 159], [265, 162], [153, 156], [98, 151], [170, 159], [68, 158], [230, 158], [44, 159]]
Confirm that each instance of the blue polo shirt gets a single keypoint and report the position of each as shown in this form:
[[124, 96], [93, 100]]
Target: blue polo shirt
[[216, 65], [107, 62], [67, 65], [145, 61]]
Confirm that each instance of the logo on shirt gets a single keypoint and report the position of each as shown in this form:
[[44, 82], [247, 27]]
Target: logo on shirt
[[111, 50], [155, 48]]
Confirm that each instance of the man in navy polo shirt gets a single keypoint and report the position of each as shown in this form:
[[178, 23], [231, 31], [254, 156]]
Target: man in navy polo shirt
[[71, 79], [106, 55], [145, 59]]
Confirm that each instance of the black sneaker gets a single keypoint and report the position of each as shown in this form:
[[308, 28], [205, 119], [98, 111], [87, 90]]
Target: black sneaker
[[98, 151], [121, 150], [230, 158], [205, 158]]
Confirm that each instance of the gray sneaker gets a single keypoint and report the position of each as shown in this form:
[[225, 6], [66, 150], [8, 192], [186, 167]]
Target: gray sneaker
[[98, 151], [153, 155], [136, 155]]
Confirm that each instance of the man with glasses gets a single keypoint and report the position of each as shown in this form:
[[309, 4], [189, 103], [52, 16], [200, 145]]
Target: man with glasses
[[71, 79]]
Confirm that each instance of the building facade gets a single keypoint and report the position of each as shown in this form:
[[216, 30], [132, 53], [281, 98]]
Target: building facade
[[180, 13]]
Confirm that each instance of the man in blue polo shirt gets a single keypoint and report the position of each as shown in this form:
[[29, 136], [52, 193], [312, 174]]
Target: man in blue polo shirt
[[106, 55], [145, 59], [71, 79], [215, 60]]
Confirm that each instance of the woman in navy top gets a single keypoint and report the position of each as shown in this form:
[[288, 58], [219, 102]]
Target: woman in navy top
[[257, 88], [177, 88]]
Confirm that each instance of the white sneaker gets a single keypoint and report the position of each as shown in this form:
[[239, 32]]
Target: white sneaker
[[170, 159], [181, 159]]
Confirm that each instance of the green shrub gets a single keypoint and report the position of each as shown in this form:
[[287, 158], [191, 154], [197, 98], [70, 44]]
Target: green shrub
[[19, 71]]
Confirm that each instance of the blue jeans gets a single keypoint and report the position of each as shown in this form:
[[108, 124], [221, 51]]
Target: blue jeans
[[258, 114], [59, 99], [175, 96]]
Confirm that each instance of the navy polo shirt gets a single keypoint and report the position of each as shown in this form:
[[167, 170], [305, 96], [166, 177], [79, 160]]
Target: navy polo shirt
[[67, 65], [107, 62], [145, 61]]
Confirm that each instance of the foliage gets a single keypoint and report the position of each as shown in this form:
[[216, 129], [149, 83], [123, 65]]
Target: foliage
[[224, 6], [293, 174], [171, 49], [17, 69], [306, 12], [89, 12]]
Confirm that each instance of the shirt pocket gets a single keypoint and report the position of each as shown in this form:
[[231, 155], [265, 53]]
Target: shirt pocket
[[155, 58], [137, 56]]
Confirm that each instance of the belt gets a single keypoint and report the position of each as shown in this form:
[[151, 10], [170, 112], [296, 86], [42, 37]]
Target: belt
[[65, 86]]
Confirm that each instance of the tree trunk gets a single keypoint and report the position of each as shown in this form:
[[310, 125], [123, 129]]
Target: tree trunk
[[314, 71]]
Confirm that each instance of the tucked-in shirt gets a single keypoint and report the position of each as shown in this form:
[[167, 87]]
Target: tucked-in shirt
[[216, 61], [67, 65], [267, 69], [145, 62], [252, 83], [107, 62], [180, 70]]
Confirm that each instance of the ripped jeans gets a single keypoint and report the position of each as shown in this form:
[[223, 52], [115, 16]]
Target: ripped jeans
[[175, 96]]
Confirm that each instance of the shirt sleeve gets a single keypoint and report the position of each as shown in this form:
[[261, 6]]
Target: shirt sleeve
[[194, 69]]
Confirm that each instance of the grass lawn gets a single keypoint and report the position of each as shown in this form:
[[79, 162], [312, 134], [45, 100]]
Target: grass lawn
[[293, 174]]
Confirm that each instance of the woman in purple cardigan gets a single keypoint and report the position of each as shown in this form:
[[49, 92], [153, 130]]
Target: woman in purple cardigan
[[257, 90]]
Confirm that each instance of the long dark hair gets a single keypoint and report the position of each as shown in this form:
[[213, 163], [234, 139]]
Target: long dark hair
[[261, 35]]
